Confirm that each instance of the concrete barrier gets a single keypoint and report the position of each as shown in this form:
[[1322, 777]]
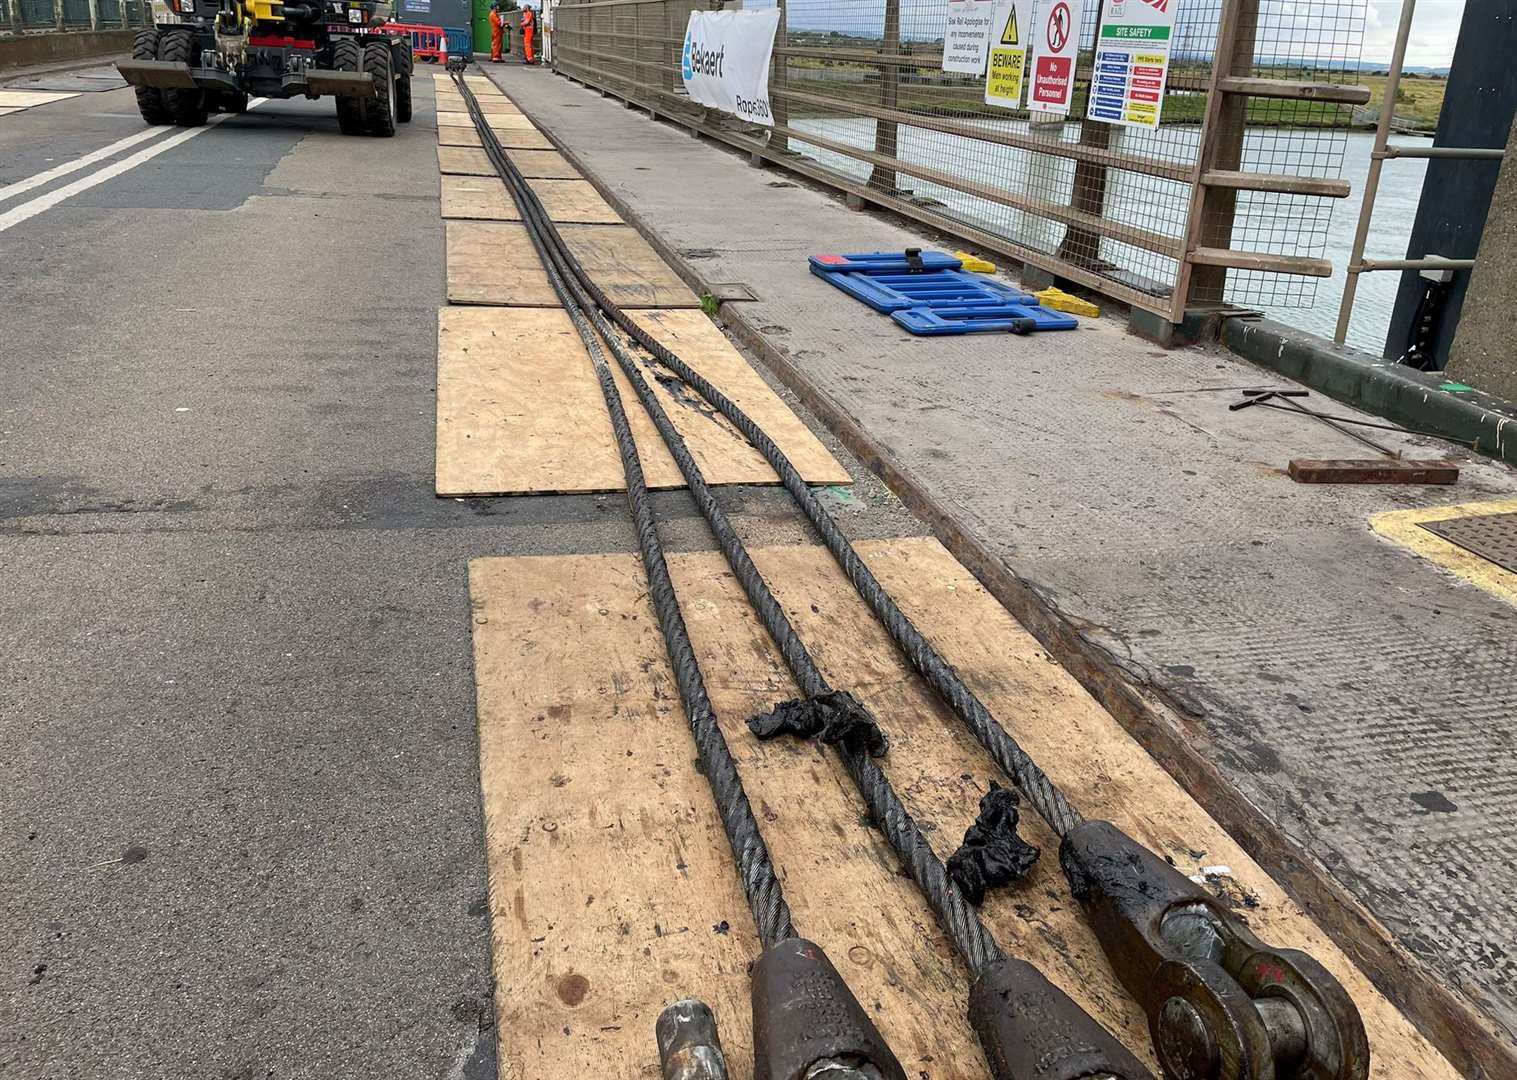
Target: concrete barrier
[[25, 50]]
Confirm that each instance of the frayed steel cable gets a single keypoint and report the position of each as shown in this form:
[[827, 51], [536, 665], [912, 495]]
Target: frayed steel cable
[[1042, 792], [959, 919], [765, 896]]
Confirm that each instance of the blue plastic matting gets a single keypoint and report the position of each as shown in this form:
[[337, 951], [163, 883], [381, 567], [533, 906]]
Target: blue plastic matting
[[884, 262], [890, 291], [983, 318]]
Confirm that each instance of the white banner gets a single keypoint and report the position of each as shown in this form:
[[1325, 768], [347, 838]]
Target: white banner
[[967, 35], [725, 62]]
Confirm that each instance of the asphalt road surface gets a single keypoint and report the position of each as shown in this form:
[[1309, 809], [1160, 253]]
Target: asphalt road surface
[[239, 796]]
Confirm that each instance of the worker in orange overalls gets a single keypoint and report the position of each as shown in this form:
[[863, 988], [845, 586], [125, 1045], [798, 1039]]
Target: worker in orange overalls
[[497, 32], [528, 32]]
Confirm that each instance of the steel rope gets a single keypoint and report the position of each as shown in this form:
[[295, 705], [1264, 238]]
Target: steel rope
[[959, 919], [761, 886], [1020, 768]]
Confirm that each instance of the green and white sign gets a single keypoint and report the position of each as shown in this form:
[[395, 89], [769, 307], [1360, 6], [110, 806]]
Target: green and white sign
[[1132, 62]]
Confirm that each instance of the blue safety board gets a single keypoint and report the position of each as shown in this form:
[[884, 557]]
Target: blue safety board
[[928, 293]]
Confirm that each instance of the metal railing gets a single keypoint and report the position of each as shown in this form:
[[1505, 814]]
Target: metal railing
[[1227, 200], [42, 16], [1383, 152]]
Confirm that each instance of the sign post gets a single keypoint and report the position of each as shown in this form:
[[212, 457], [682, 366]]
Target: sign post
[[1132, 62], [1010, 32], [1055, 45]]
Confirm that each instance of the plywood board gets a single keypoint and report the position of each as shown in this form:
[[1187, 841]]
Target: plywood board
[[477, 198], [509, 122], [574, 202], [546, 164], [458, 136], [482, 86], [521, 138], [611, 886], [519, 410], [494, 263], [464, 161], [454, 119], [25, 99]]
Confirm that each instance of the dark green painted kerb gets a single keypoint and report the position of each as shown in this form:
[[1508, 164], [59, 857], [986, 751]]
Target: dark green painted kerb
[[1411, 398]]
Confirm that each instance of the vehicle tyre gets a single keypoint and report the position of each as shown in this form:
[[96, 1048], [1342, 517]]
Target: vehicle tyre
[[403, 61], [347, 55], [149, 98], [234, 102], [187, 108], [380, 109]]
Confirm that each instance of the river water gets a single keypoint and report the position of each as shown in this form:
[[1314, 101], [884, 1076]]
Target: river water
[[1324, 231]]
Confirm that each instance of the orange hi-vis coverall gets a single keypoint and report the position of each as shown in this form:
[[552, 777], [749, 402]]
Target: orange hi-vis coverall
[[495, 34], [528, 31]]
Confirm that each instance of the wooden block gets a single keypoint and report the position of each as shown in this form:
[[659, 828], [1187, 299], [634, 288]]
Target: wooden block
[[477, 198], [545, 164], [494, 263], [574, 202], [1371, 471], [519, 410], [458, 136], [612, 890], [464, 161]]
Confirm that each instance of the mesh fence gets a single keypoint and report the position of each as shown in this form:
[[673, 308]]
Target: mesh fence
[[860, 98], [28, 16]]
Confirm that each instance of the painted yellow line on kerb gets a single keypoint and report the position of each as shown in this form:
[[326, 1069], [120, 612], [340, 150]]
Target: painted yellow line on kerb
[[1405, 528]]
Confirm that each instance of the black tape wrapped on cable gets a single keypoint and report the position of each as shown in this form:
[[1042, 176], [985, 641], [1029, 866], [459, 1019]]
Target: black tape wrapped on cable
[[992, 853], [834, 717]]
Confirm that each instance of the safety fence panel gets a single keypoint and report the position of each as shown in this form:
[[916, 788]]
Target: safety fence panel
[[861, 102], [40, 16]]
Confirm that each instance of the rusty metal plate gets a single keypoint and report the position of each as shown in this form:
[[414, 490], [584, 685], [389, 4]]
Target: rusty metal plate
[[1492, 537]]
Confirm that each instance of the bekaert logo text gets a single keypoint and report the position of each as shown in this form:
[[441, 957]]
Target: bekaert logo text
[[684, 61], [702, 61]]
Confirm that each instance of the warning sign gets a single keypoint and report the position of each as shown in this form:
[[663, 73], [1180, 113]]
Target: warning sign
[[967, 37], [1008, 53], [1053, 57], [1132, 62]]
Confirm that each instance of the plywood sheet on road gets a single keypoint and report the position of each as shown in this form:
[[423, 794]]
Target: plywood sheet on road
[[519, 410], [612, 891], [464, 161], [509, 122], [544, 164], [574, 202], [458, 136], [523, 138], [25, 99], [454, 119], [482, 86], [494, 263], [477, 198]]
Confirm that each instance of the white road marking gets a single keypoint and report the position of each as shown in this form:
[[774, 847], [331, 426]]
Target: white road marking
[[10, 191], [30, 209]]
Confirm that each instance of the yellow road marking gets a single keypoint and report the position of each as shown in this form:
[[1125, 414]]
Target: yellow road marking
[[1404, 527]]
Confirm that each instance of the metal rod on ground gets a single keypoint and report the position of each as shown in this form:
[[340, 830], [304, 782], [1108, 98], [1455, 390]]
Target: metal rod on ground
[[1372, 180], [1211, 1015], [805, 1017]]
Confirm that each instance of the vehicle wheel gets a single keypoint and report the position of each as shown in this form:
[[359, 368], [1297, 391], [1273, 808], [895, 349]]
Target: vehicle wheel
[[187, 108], [149, 98], [403, 61], [347, 55], [380, 109], [234, 102]]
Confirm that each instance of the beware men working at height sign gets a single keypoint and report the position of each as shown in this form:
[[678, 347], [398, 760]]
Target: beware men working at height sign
[[1131, 55]]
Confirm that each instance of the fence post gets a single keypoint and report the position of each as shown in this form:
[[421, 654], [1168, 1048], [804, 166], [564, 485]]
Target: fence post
[[15, 15], [779, 81], [1088, 192], [1210, 223], [885, 131], [94, 14], [58, 23]]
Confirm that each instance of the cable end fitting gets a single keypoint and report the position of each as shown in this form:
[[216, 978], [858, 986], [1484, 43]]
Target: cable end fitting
[[1032, 1030], [807, 1025], [688, 1045]]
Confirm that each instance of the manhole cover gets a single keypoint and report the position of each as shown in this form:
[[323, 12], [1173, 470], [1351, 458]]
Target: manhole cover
[[1493, 537]]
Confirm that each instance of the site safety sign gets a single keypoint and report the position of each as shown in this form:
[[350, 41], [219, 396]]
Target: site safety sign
[[725, 61], [1055, 44], [1132, 62], [967, 35], [1010, 34]]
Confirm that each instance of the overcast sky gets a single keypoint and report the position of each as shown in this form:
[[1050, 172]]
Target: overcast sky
[[1434, 30]]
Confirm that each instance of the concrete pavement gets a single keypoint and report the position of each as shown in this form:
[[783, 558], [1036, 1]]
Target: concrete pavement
[[1353, 698], [239, 804]]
